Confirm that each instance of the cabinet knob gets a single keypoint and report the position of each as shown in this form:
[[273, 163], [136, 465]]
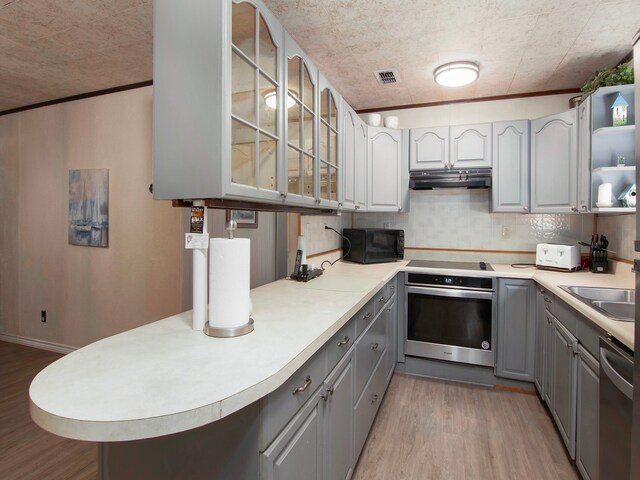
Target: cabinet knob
[[283, 194], [526, 209], [382, 299], [392, 287], [375, 346], [357, 207], [584, 207], [367, 316], [373, 398], [574, 209], [344, 341], [307, 382]]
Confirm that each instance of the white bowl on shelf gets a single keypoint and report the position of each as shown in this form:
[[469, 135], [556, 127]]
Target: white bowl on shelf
[[374, 119], [604, 205]]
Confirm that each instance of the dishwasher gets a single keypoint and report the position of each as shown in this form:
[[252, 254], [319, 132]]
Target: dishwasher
[[616, 402]]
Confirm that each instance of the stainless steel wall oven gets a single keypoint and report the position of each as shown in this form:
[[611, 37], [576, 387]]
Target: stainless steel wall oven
[[451, 318]]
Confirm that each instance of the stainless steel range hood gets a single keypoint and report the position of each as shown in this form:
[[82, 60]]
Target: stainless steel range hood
[[450, 178]]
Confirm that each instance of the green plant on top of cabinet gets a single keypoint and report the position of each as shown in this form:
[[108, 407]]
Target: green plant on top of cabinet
[[470, 146], [300, 126], [510, 182], [386, 168], [554, 163], [217, 101], [329, 146]]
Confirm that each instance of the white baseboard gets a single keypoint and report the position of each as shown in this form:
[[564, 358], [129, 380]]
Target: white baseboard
[[41, 344]]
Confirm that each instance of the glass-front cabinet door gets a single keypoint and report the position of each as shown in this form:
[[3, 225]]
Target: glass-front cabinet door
[[300, 127], [329, 146], [256, 103]]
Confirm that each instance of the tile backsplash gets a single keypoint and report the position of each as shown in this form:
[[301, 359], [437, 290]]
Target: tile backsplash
[[318, 239], [461, 220], [621, 232]]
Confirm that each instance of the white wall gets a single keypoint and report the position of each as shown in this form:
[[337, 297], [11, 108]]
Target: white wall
[[88, 293], [454, 220], [480, 112]]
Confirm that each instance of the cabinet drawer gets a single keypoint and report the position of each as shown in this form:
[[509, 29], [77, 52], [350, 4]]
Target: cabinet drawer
[[548, 300], [364, 317], [281, 405], [340, 343], [367, 407], [566, 315], [381, 298], [369, 348]]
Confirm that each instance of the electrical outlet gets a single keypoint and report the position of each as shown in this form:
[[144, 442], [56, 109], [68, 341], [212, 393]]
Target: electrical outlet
[[43, 316], [506, 232]]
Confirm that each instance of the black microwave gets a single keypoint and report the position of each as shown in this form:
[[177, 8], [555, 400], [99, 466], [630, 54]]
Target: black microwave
[[372, 245]]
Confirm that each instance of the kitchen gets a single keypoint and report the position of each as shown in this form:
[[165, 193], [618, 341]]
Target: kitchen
[[447, 224]]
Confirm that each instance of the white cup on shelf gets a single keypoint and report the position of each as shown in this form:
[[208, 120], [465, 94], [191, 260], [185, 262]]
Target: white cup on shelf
[[374, 119], [604, 196]]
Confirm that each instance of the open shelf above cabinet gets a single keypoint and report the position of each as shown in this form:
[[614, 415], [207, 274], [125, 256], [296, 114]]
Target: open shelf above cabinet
[[615, 130], [613, 210], [614, 170]]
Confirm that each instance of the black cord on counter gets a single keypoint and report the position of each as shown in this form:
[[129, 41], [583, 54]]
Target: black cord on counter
[[348, 248]]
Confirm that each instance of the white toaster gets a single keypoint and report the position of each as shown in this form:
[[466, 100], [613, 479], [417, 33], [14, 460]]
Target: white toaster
[[558, 256]]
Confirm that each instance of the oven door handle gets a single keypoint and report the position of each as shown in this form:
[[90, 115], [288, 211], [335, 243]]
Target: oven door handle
[[451, 292]]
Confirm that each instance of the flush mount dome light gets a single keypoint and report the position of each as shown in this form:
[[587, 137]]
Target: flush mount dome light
[[456, 74], [271, 100]]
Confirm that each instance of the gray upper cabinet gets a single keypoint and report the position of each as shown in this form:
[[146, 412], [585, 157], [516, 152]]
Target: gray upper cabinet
[[510, 182], [362, 145], [470, 146], [385, 172], [329, 145], [588, 416], [564, 379], [584, 156], [554, 163], [429, 148], [217, 63], [300, 124], [516, 329], [349, 154]]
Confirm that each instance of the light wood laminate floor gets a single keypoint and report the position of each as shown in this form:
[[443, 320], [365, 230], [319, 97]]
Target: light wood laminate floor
[[434, 430], [27, 452]]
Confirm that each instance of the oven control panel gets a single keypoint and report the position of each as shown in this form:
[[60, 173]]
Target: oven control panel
[[427, 279]]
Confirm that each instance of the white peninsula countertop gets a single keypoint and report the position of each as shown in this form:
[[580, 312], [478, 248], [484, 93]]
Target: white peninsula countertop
[[164, 377]]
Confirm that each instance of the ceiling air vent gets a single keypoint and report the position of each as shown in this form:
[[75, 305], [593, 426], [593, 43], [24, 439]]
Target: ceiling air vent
[[387, 77]]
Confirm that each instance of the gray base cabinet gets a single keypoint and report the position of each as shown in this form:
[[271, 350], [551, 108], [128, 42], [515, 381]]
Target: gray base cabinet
[[587, 416], [565, 370], [539, 357], [516, 329]]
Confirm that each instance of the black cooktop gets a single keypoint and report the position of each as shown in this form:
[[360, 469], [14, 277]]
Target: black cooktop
[[476, 266]]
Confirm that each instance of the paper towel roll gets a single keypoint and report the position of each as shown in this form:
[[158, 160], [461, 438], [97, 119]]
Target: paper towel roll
[[229, 282], [199, 288], [302, 246], [604, 195]]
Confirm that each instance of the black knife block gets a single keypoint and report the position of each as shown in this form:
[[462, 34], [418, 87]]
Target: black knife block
[[599, 261]]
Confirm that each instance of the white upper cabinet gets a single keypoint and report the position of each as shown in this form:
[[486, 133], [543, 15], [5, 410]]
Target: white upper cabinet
[[584, 155], [429, 148], [470, 146], [385, 170], [362, 145], [207, 73], [350, 123], [300, 126], [554, 163], [329, 145], [510, 182]]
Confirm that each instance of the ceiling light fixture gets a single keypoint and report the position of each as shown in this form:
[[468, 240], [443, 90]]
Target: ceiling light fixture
[[456, 74], [271, 100]]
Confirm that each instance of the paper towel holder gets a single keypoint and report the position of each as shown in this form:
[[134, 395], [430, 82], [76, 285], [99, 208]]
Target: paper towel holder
[[228, 332]]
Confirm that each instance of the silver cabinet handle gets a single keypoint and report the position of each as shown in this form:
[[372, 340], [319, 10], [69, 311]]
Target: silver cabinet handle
[[325, 395], [392, 287], [547, 299], [526, 209], [382, 299], [307, 382], [389, 309], [374, 346], [373, 398], [330, 390], [367, 316], [344, 341]]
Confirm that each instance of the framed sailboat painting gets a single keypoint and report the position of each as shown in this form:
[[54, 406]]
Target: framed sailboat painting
[[89, 207]]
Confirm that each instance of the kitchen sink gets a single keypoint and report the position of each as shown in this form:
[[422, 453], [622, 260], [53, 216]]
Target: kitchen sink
[[615, 303], [604, 294]]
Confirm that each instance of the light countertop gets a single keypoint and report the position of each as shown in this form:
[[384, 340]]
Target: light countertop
[[164, 377]]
